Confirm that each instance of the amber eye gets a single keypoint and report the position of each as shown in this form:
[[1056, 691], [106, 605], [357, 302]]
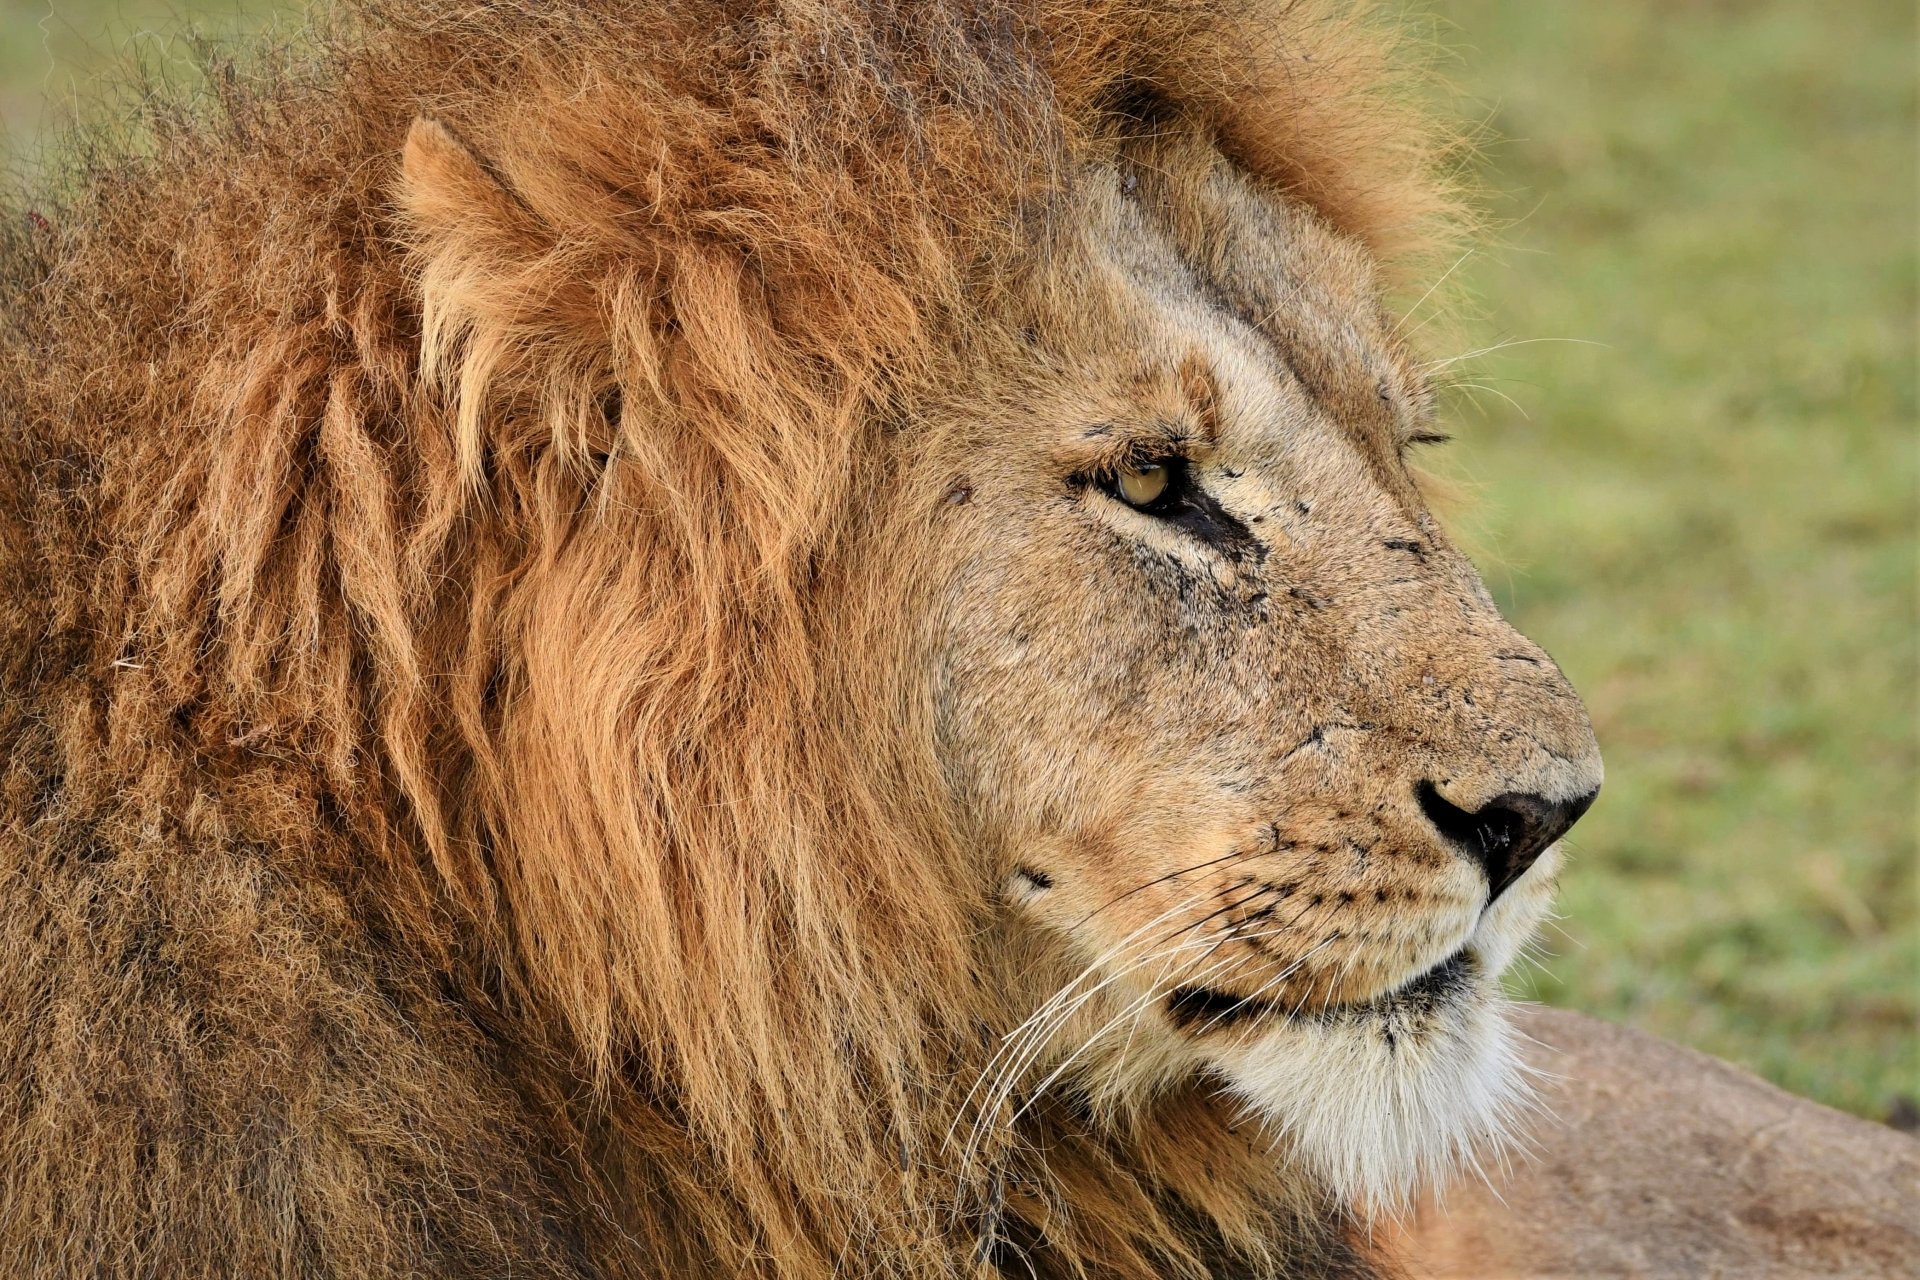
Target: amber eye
[[1142, 486]]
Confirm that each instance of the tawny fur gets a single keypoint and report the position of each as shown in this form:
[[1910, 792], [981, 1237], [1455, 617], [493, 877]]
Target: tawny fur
[[467, 810]]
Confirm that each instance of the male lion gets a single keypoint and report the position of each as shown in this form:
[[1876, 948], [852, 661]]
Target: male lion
[[749, 639]]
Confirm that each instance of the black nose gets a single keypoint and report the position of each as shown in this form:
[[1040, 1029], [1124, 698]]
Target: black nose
[[1506, 834]]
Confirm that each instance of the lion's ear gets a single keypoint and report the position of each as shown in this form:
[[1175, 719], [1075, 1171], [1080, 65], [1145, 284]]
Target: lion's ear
[[496, 316], [444, 187]]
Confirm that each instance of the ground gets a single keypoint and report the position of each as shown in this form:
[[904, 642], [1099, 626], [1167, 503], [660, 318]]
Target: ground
[[1694, 482]]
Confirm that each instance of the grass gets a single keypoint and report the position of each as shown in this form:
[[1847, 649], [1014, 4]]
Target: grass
[[53, 53], [1709, 517]]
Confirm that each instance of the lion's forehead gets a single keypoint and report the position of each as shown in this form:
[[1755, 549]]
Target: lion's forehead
[[1282, 309]]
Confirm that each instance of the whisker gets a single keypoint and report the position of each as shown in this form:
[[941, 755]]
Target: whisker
[[1266, 986], [1153, 992], [1060, 996], [1259, 892], [1433, 366], [1492, 391], [1120, 1060], [1040, 1026], [1412, 310], [1171, 875], [1004, 1081], [1094, 1039]]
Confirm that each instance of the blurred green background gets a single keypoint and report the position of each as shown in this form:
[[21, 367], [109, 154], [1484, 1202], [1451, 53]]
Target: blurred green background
[[1695, 480], [1710, 519]]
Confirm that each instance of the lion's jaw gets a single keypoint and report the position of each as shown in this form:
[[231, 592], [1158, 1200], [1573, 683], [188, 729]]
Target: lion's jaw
[[1389, 1095], [1204, 742]]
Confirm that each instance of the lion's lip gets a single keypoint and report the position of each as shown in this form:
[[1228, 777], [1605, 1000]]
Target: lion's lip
[[1204, 1008], [1431, 988], [1441, 982]]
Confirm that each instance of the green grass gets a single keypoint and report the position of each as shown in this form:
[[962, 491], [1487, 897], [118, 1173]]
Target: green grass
[[54, 52], [1709, 517]]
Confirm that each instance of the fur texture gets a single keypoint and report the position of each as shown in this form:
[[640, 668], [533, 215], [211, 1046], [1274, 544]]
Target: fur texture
[[543, 549]]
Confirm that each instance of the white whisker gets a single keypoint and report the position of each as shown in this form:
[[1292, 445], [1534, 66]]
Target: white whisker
[[1434, 366], [1410, 312]]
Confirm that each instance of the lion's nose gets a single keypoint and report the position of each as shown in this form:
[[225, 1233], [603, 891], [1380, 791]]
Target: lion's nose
[[1506, 834]]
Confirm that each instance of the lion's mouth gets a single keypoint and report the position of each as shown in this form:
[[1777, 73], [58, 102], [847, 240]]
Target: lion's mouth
[[1196, 1009]]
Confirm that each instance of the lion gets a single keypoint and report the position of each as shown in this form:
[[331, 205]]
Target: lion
[[778, 640], [1657, 1162]]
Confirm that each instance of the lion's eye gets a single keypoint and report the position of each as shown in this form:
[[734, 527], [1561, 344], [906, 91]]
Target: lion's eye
[[1142, 486], [1166, 489]]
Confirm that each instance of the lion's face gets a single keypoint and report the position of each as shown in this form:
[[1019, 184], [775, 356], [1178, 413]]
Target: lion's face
[[1270, 788]]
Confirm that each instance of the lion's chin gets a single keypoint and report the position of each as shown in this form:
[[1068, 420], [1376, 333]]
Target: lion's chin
[[1383, 1099]]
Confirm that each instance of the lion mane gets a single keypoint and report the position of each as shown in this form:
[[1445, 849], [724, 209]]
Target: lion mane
[[452, 820]]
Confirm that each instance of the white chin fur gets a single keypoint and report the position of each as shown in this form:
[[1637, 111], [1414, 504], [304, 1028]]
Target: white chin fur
[[1378, 1121]]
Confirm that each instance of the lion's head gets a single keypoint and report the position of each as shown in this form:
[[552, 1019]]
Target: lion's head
[[846, 585], [1271, 787]]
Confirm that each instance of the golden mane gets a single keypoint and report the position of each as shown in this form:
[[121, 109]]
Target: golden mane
[[427, 696]]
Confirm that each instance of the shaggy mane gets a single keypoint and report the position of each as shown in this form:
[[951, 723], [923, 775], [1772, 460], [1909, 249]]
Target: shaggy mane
[[451, 822]]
